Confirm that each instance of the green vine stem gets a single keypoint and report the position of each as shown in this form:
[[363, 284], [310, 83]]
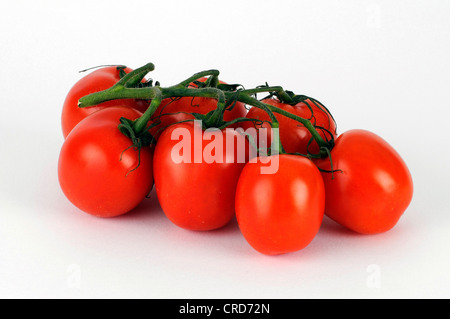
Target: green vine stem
[[309, 126], [276, 89], [141, 123], [127, 88], [196, 76]]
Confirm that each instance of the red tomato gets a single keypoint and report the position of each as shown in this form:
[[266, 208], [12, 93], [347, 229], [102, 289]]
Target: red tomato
[[373, 187], [280, 212], [196, 191], [98, 80], [97, 165], [293, 135], [169, 110]]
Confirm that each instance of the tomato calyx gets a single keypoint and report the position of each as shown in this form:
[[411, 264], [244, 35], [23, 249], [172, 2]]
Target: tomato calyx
[[121, 70], [332, 170], [139, 139]]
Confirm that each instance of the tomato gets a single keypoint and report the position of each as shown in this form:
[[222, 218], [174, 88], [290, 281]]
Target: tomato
[[99, 171], [373, 186], [98, 80], [177, 109], [195, 190], [295, 136], [281, 211]]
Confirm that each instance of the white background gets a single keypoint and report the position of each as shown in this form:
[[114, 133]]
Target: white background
[[379, 65]]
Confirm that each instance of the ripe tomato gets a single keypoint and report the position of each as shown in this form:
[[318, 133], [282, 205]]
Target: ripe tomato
[[280, 212], [177, 109], [196, 191], [97, 165], [293, 135], [373, 187], [98, 80]]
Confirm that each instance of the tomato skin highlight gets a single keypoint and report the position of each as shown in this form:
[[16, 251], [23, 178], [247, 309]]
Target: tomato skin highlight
[[98, 80], [96, 163], [196, 195], [282, 212], [293, 135], [374, 188]]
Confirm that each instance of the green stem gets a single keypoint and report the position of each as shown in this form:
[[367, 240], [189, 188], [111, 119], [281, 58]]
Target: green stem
[[175, 91], [213, 81], [208, 92], [133, 78], [141, 123], [151, 93], [308, 125], [262, 90], [281, 92], [122, 91], [117, 93], [199, 75], [276, 143]]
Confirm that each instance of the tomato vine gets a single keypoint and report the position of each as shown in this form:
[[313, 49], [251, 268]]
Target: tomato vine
[[130, 87]]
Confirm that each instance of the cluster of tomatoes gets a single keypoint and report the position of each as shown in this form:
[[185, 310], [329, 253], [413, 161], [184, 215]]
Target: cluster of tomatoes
[[362, 183]]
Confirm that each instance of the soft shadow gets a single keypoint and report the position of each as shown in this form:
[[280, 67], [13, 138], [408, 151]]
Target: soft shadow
[[330, 227], [149, 208]]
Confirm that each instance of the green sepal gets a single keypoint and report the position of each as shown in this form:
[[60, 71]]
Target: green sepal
[[121, 69], [143, 139]]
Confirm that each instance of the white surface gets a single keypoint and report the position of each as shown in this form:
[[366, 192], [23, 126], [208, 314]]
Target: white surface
[[378, 65]]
